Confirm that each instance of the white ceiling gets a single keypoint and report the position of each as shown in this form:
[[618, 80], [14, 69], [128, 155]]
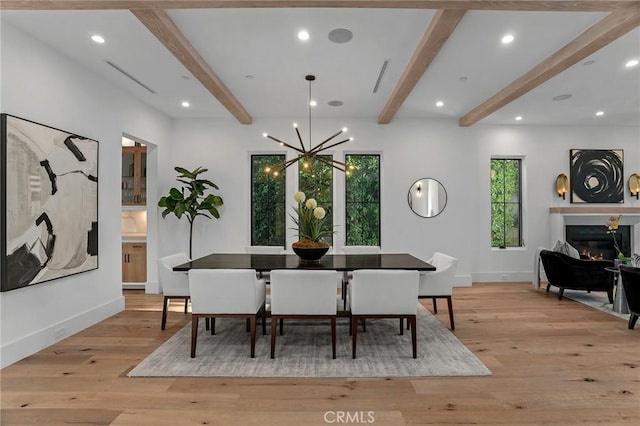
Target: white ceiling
[[262, 43]]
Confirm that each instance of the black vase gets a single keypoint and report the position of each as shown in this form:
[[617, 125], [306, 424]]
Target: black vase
[[310, 254]]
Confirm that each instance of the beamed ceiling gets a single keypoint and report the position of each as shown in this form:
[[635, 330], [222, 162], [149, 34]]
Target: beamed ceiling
[[242, 59]]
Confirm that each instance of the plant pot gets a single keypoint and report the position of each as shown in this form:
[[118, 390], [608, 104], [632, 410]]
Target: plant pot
[[310, 254]]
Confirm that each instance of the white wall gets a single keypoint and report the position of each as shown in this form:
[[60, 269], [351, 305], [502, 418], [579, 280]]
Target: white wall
[[47, 88], [411, 149]]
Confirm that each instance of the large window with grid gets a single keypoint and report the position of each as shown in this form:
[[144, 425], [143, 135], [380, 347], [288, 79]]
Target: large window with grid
[[362, 200], [315, 179], [268, 222], [506, 202]]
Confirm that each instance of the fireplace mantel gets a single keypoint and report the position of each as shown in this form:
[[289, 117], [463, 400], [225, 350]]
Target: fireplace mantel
[[591, 215]]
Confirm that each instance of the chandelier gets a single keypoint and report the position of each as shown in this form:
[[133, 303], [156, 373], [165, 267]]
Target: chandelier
[[308, 155]]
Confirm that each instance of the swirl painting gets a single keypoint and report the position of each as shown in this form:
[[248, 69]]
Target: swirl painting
[[596, 176]]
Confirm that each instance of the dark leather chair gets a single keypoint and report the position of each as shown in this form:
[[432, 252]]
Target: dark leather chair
[[631, 284], [565, 272]]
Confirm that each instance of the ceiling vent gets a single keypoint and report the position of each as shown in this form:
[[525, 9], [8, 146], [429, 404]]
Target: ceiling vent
[[382, 71], [113, 65]]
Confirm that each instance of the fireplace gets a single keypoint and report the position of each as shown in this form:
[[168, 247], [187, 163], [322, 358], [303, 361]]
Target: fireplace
[[592, 241]]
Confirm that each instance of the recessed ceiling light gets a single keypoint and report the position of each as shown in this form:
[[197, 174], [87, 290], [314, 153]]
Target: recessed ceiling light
[[97, 38], [313, 103], [561, 97], [340, 35], [587, 63], [631, 63], [463, 78], [185, 104], [507, 39], [303, 35], [335, 103], [439, 104], [184, 77], [599, 113], [518, 118], [249, 77]]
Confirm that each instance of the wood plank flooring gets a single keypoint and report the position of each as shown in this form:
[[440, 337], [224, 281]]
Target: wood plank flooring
[[553, 362]]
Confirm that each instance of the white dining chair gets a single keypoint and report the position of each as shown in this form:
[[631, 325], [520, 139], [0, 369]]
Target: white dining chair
[[226, 293], [438, 284], [303, 294], [347, 276], [383, 293], [174, 285]]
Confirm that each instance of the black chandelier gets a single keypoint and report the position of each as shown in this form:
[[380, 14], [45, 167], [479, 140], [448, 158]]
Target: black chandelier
[[308, 155]]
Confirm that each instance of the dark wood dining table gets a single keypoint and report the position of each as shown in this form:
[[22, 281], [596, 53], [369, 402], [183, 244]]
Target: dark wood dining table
[[336, 262]]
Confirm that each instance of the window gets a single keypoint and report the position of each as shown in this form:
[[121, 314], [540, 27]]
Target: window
[[268, 224], [316, 181], [362, 200], [506, 202]]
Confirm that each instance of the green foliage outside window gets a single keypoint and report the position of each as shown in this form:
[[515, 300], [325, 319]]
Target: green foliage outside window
[[506, 203], [362, 206], [316, 181], [268, 209]]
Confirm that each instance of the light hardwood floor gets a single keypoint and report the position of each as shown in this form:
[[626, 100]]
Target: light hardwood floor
[[553, 362]]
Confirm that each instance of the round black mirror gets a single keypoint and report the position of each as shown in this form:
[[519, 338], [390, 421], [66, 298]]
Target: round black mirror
[[427, 197]]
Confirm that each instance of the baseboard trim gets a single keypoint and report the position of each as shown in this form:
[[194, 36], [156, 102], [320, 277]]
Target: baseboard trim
[[34, 342], [502, 276]]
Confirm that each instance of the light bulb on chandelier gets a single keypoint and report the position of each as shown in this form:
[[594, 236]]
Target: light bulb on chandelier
[[311, 154]]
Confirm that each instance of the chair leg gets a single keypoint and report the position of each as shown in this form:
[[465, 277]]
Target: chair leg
[[402, 326], [186, 304], [450, 306], [364, 325], [194, 335], [333, 336], [207, 324], [165, 307], [548, 287], [435, 305], [273, 336], [248, 326], [632, 321], [213, 326], [252, 324], [560, 293], [264, 320], [354, 337], [350, 323], [610, 295], [281, 325], [414, 335]]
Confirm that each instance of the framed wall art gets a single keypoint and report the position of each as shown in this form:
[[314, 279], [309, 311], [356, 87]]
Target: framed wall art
[[597, 175], [49, 199]]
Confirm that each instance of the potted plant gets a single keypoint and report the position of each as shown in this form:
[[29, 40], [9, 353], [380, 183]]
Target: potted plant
[[191, 200], [312, 229]]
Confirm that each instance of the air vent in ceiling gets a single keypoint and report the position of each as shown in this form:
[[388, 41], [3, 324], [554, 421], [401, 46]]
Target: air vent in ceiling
[[382, 70], [113, 65]]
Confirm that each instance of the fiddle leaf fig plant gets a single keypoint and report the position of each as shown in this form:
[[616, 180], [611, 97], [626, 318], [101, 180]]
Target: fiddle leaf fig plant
[[192, 199]]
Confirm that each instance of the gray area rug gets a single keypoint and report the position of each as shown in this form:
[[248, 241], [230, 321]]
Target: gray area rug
[[598, 300], [305, 351]]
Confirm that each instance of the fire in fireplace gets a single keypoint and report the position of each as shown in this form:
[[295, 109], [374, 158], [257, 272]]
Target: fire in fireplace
[[593, 242]]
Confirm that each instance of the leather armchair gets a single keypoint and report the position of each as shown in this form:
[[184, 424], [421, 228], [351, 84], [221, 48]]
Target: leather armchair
[[631, 285], [566, 272]]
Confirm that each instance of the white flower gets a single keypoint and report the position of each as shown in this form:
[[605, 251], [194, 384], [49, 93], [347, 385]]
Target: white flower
[[319, 213], [299, 196], [311, 204]]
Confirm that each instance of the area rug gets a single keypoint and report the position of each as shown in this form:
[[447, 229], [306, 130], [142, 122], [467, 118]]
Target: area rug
[[597, 300], [305, 351]]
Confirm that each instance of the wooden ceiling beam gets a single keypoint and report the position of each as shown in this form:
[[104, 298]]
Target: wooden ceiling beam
[[165, 30], [614, 26], [518, 5], [438, 32]]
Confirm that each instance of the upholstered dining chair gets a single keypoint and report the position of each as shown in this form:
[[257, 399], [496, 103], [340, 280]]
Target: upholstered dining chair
[[265, 250], [384, 294], [303, 294], [174, 285], [438, 284], [348, 276], [631, 284], [226, 293]]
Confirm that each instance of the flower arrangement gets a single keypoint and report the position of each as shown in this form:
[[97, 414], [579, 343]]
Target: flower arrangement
[[311, 222], [612, 228]]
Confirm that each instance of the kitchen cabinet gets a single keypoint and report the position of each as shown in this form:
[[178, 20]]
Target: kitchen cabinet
[[134, 262], [134, 175]]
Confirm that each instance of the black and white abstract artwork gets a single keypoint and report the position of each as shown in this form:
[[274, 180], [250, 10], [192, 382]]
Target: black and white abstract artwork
[[597, 176], [49, 203]]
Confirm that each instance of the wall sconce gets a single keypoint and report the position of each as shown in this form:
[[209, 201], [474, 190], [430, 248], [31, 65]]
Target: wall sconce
[[634, 185], [562, 185]]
